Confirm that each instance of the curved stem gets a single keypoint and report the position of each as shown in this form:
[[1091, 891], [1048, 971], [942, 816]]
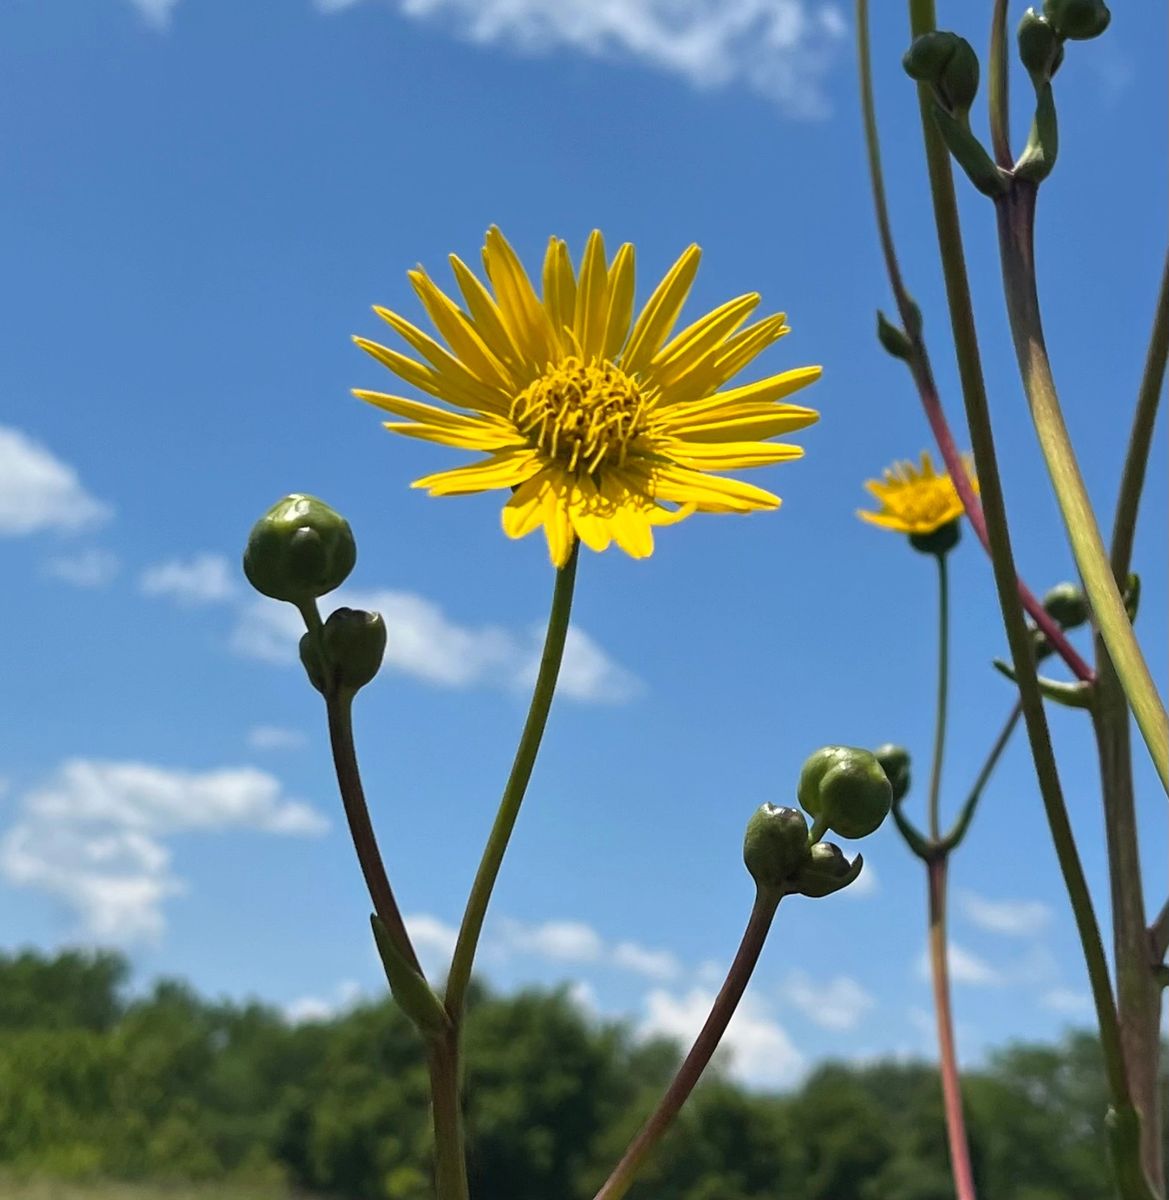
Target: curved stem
[[339, 708], [947, 1054], [513, 792], [966, 814], [919, 364], [998, 88], [727, 1000], [1016, 221], [1136, 461], [982, 438], [943, 694]]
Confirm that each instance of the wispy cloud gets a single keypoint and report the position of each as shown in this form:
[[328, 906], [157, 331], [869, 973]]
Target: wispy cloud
[[157, 13], [428, 645], [1014, 918], [90, 568], [203, 579], [838, 1004], [965, 967], [275, 737], [38, 491], [96, 836], [305, 1009], [1067, 1002], [781, 49]]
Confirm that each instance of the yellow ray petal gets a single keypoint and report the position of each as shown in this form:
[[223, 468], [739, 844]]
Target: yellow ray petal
[[557, 525], [488, 319], [661, 310], [884, 520], [522, 312], [740, 423], [446, 387], [590, 514], [500, 470], [524, 512], [621, 281], [724, 360], [708, 493], [729, 456], [559, 290], [763, 391], [628, 520], [687, 349], [460, 334], [592, 298]]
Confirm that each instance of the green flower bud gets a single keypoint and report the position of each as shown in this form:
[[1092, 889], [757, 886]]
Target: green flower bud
[[354, 643], [895, 341], [855, 795], [299, 550], [938, 541], [775, 845], [895, 762], [808, 789], [1040, 47], [826, 871], [1078, 19], [949, 65], [314, 665], [1067, 605]]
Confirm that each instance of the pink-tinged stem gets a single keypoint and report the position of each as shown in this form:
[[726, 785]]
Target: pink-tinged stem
[[951, 1091]]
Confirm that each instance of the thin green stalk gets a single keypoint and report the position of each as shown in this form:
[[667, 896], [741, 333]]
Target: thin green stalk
[[625, 1172], [1136, 461], [1016, 223], [998, 87], [450, 1155], [923, 20], [960, 1166], [966, 813], [943, 694], [513, 793]]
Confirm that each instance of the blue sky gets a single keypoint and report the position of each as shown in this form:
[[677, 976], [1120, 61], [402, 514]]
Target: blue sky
[[202, 203]]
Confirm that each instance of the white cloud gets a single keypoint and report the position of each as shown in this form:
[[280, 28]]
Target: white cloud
[[346, 995], [781, 49], [204, 579], [838, 1004], [156, 12], [654, 964], [38, 491], [867, 883], [275, 737], [94, 836], [433, 939], [584, 996], [561, 941], [1067, 1002], [91, 568], [426, 644], [759, 1050], [1015, 918], [965, 967]]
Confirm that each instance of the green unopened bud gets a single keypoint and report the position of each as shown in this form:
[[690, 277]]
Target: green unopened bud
[[808, 788], [938, 541], [826, 871], [1040, 47], [347, 652], [949, 65], [775, 845], [1067, 605], [895, 762], [299, 550], [1078, 19], [894, 340], [846, 790]]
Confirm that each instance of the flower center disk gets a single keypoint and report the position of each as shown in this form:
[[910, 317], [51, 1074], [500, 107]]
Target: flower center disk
[[583, 414]]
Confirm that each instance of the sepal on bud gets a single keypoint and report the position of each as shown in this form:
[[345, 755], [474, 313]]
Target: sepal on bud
[[414, 995], [826, 871], [938, 541], [299, 550], [1079, 20], [775, 845], [895, 762]]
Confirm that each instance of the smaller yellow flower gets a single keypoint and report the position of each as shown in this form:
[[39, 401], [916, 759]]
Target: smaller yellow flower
[[915, 500]]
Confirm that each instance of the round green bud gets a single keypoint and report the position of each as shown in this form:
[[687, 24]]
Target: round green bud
[[1077, 19], [1067, 605], [938, 541], [895, 762], [808, 788], [826, 871], [775, 845], [949, 65], [1040, 47], [855, 795], [354, 644], [299, 550]]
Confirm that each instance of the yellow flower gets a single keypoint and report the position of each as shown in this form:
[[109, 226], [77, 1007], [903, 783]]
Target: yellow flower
[[602, 426], [915, 500]]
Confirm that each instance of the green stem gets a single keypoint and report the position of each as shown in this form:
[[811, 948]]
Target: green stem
[[966, 814], [450, 1156], [919, 364], [513, 793], [1016, 213], [1136, 461], [947, 1053], [949, 231], [623, 1174], [998, 87], [943, 695]]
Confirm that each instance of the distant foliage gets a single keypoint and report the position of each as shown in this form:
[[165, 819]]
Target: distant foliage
[[173, 1087]]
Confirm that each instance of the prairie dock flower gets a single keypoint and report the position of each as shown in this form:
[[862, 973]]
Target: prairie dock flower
[[602, 426], [917, 501]]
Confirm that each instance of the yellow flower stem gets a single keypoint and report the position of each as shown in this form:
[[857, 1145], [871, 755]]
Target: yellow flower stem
[[943, 695], [625, 1172], [517, 784], [998, 87], [923, 20], [1016, 222], [919, 363]]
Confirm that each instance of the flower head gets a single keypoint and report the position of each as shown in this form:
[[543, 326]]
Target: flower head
[[601, 425], [914, 500]]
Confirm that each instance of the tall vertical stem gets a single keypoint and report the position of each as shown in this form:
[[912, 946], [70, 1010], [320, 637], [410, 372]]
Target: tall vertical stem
[[942, 697], [450, 1155]]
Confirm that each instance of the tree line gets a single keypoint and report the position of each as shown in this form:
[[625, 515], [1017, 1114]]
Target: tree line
[[95, 1083]]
